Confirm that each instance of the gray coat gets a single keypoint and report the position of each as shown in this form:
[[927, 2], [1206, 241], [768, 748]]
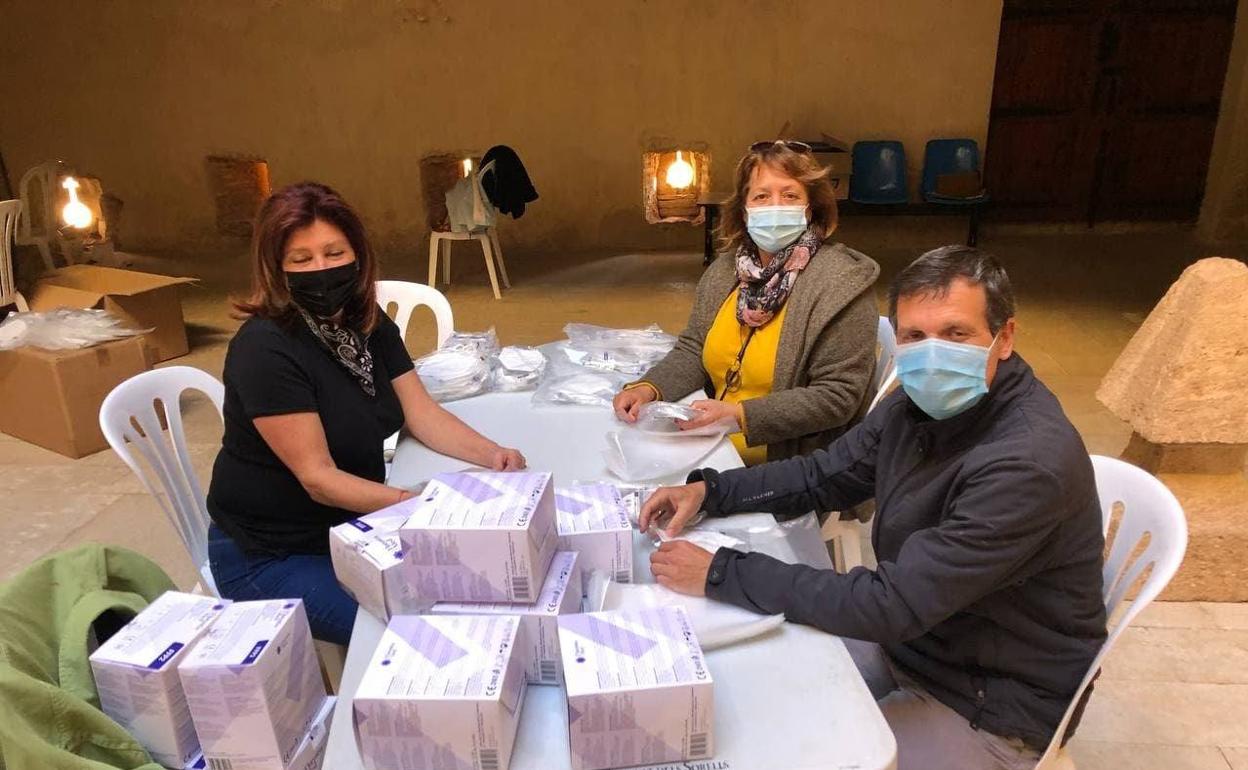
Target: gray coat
[[825, 358]]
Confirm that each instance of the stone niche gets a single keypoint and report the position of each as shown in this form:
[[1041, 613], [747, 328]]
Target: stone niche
[[1182, 384], [672, 183]]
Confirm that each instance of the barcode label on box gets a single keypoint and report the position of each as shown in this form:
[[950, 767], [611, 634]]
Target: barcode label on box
[[623, 576], [220, 764], [549, 672], [520, 588], [489, 759], [697, 745]]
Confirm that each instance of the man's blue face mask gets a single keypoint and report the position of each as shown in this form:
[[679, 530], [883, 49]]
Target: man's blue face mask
[[943, 378]]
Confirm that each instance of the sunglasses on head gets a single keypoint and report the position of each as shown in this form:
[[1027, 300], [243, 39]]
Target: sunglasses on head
[[790, 144]]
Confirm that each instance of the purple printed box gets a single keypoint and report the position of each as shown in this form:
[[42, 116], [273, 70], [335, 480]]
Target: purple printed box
[[368, 556], [561, 595], [593, 521], [254, 686], [442, 691], [136, 673], [479, 537], [639, 691]]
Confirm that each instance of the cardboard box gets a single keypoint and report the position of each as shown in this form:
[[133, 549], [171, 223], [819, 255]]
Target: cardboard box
[[367, 556], [561, 595], [144, 300], [442, 691], [254, 686], [479, 537], [840, 186], [136, 673], [639, 691], [311, 752], [593, 521], [52, 397]]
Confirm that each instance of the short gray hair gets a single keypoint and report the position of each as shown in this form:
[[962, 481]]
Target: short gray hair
[[934, 272]]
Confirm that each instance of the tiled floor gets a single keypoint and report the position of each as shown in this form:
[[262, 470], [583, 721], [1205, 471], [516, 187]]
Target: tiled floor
[[1174, 694]]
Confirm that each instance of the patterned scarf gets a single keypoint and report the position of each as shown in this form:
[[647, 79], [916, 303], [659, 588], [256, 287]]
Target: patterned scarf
[[346, 346], [764, 290]]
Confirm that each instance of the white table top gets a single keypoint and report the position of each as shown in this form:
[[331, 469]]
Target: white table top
[[791, 699]]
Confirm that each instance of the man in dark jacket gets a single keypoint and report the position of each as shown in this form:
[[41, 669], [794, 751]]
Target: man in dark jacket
[[986, 605]]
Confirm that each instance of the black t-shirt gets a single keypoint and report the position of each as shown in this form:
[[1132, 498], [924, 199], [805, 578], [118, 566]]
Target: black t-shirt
[[271, 370]]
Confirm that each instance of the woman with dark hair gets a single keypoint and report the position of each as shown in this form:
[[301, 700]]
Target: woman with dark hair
[[782, 334], [315, 380]]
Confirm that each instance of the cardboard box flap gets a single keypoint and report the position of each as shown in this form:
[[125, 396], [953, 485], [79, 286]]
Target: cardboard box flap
[[110, 280], [47, 296]]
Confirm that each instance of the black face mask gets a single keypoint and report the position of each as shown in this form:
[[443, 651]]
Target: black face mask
[[323, 292]]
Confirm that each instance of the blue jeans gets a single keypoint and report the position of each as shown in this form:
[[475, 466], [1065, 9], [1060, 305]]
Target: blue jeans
[[310, 577]]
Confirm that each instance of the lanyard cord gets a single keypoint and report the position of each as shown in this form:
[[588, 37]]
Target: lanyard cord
[[735, 368]]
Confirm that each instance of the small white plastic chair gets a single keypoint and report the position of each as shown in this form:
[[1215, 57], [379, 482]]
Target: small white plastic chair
[[846, 536], [38, 184], [1153, 522], [440, 241], [171, 477], [406, 297], [9, 295]]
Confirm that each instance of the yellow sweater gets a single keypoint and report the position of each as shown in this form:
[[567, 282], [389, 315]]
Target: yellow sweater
[[758, 366]]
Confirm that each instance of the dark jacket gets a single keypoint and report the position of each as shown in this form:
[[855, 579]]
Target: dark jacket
[[824, 360], [506, 183], [988, 537]]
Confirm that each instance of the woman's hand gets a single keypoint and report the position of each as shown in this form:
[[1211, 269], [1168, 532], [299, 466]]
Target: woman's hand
[[714, 412], [682, 567], [675, 504], [628, 402], [505, 459]]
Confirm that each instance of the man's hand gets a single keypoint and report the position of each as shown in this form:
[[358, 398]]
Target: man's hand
[[628, 402], [713, 412], [504, 459], [673, 505], [681, 566]]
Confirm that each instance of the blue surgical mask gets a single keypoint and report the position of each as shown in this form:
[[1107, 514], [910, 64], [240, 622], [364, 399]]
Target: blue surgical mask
[[943, 378], [774, 227]]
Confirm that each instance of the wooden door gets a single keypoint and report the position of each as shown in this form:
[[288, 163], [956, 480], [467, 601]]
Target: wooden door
[[1105, 109]]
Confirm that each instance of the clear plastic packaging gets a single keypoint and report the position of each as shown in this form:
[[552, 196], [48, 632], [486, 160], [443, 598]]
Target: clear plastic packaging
[[629, 351], [634, 456], [659, 418], [518, 368], [484, 344], [63, 329], [453, 374], [580, 388]]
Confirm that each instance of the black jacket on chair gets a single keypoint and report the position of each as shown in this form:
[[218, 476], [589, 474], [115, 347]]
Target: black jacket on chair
[[507, 184], [988, 536]]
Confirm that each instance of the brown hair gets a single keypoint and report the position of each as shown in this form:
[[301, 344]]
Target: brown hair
[[801, 166], [291, 208]]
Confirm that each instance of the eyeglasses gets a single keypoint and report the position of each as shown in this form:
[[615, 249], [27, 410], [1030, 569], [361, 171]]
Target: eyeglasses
[[795, 146]]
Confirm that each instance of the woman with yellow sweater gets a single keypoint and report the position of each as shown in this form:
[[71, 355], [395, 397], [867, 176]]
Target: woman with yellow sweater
[[783, 329]]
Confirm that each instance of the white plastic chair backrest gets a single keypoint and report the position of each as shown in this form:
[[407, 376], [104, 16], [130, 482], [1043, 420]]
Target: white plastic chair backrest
[[37, 190], [885, 373], [170, 476], [407, 297], [1148, 509], [9, 212]]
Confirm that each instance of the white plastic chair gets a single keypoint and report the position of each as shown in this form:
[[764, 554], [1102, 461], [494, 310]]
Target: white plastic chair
[[846, 536], [171, 477], [38, 184], [9, 295], [406, 297], [440, 241], [1153, 522]]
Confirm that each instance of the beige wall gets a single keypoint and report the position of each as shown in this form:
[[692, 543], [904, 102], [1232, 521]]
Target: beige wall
[[1224, 214], [352, 93]]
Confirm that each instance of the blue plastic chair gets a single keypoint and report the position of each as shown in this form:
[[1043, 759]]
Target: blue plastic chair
[[953, 156], [879, 173], [950, 156]]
